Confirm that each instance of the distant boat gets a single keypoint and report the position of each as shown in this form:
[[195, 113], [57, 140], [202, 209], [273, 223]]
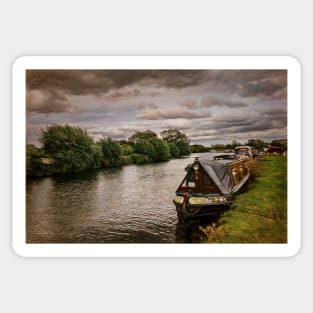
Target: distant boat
[[228, 156], [244, 151], [209, 186]]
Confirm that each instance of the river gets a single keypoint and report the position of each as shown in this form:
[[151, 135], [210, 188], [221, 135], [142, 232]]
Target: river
[[132, 204]]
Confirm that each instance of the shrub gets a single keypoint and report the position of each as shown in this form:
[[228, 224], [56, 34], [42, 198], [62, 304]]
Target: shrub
[[112, 153], [174, 150]]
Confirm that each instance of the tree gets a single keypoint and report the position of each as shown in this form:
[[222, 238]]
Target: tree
[[256, 143], [279, 143], [184, 148], [161, 150], [97, 155], [198, 148], [127, 148], [112, 153], [218, 147], [142, 135], [174, 150], [34, 164], [174, 135], [58, 138], [70, 147], [144, 147], [179, 139]]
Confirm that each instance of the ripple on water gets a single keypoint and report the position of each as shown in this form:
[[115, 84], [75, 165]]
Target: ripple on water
[[131, 204]]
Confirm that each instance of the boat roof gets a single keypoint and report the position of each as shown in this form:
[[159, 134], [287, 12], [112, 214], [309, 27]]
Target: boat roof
[[243, 147], [219, 173]]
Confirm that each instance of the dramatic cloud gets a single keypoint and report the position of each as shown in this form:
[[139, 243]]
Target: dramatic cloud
[[208, 105]]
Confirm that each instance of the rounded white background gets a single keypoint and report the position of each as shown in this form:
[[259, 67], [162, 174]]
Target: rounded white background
[[154, 28]]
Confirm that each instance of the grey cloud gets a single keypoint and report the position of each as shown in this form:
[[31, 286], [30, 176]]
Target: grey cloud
[[148, 105], [46, 101], [101, 81], [263, 88], [180, 123], [212, 101], [123, 92], [109, 103], [190, 103], [115, 83], [169, 113], [252, 83]]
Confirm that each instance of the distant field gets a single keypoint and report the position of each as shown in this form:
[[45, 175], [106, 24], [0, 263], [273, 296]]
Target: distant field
[[258, 215]]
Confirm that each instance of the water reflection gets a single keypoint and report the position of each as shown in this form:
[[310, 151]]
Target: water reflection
[[132, 204]]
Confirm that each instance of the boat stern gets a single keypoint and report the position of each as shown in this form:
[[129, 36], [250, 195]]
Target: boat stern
[[193, 205]]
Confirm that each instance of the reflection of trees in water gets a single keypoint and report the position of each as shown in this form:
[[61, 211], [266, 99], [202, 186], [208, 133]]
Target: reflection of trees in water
[[190, 233], [74, 177]]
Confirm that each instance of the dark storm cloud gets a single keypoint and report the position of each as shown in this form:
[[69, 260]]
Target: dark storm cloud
[[248, 125], [263, 88], [58, 83], [79, 82], [240, 127], [253, 83], [47, 90]]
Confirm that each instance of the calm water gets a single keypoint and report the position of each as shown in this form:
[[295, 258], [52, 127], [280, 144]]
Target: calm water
[[131, 204]]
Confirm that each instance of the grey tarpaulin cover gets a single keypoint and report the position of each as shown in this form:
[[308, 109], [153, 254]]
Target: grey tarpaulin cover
[[219, 173]]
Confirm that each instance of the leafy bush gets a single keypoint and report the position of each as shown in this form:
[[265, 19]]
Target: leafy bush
[[145, 147], [127, 149], [65, 149], [127, 159], [142, 135], [184, 148], [112, 153], [174, 150], [161, 150], [139, 158]]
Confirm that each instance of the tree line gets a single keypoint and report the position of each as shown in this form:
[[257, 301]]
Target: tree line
[[256, 143], [67, 149]]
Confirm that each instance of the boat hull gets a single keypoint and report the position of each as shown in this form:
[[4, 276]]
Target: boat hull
[[185, 212]]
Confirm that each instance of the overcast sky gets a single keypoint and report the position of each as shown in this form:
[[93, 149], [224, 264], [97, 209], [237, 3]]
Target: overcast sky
[[209, 106]]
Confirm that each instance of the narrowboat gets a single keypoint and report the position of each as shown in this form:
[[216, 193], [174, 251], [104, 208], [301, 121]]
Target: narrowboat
[[228, 156], [209, 186], [244, 151]]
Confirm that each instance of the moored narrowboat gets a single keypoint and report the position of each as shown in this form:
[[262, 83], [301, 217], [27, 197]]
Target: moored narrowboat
[[244, 151], [209, 186]]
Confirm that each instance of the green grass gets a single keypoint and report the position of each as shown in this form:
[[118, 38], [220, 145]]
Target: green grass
[[258, 215]]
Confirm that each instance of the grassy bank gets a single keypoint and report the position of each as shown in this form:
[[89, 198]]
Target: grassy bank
[[259, 215]]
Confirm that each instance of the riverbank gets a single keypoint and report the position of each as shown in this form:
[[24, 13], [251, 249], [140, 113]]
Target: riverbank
[[259, 215]]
